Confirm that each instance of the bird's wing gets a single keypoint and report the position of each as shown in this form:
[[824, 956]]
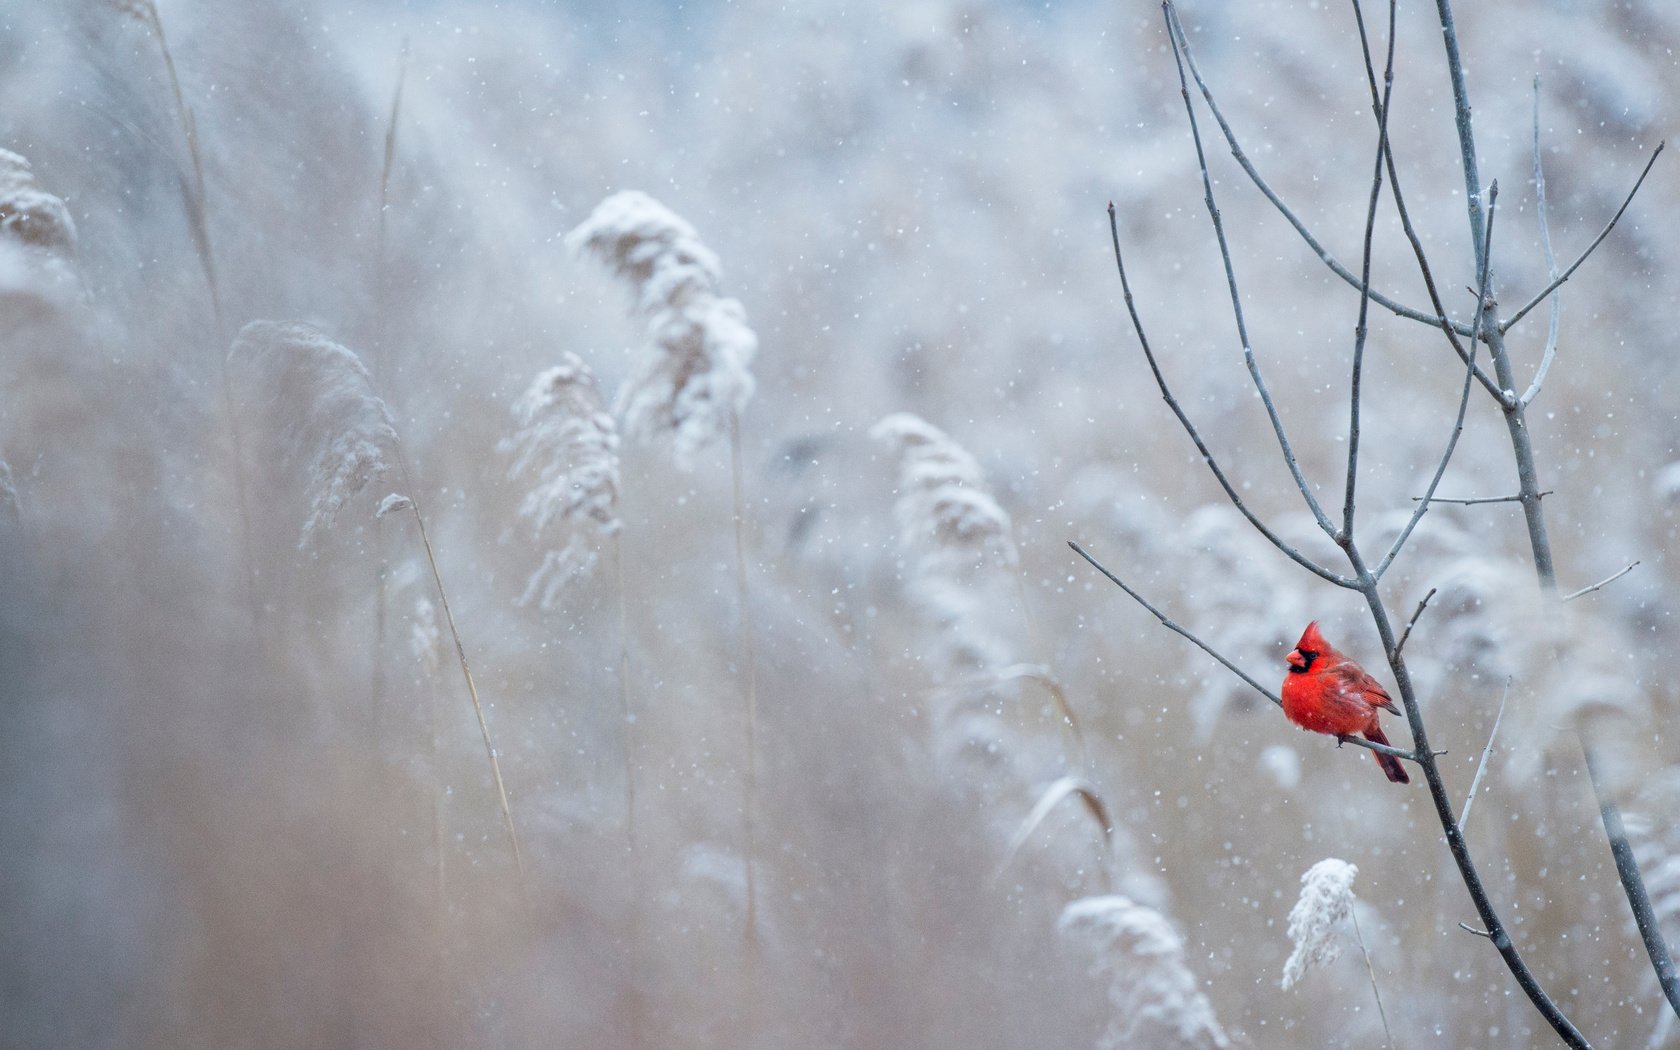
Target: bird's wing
[[1357, 682]]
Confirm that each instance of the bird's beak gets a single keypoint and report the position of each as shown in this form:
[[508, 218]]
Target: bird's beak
[[1295, 659]]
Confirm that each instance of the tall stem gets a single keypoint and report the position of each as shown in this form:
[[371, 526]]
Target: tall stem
[[1456, 843], [749, 674], [466, 672], [632, 854], [1522, 447]]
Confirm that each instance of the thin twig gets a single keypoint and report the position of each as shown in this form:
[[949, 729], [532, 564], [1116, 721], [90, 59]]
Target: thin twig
[[1359, 935], [1190, 428], [1467, 928], [1551, 260], [1254, 176], [1449, 328], [1528, 484], [1416, 613], [1627, 869], [1552, 287], [1612, 578], [1170, 625], [1481, 767], [1477, 502], [1360, 330], [1484, 276], [1236, 298]]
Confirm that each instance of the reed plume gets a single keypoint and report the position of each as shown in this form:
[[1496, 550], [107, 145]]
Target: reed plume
[[567, 446], [1326, 902], [953, 536], [1136, 954], [338, 433], [698, 379], [693, 386], [37, 241]]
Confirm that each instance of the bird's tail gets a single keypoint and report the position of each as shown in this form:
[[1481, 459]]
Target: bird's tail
[[1391, 766]]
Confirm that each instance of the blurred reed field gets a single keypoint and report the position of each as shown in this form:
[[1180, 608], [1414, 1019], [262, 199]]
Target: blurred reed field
[[676, 418]]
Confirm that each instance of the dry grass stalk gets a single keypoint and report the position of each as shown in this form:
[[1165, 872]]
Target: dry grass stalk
[[1326, 902], [693, 387], [192, 192], [8, 491], [1091, 804], [339, 432]]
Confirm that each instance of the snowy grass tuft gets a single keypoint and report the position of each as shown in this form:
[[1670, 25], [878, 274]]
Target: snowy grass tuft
[[698, 378], [1135, 952], [336, 430], [1325, 903], [568, 446], [953, 535]]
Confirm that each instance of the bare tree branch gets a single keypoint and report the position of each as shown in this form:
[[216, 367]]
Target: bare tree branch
[[1533, 390], [1416, 613], [1627, 869], [1481, 767], [1484, 276], [1190, 428], [1612, 578], [1550, 288], [1182, 632], [1231, 283], [1254, 176], [1360, 330], [1528, 485], [1479, 500]]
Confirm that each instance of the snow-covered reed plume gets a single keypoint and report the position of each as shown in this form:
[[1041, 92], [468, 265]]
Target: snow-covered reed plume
[[332, 426], [698, 377], [953, 537], [1137, 955], [37, 239], [8, 491], [567, 446], [1325, 903]]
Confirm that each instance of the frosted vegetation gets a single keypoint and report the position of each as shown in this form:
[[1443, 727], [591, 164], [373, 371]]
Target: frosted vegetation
[[593, 286]]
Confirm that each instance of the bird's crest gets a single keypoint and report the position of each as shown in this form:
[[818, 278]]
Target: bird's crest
[[1311, 641]]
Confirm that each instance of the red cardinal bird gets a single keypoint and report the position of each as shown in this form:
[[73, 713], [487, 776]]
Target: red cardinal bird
[[1328, 693]]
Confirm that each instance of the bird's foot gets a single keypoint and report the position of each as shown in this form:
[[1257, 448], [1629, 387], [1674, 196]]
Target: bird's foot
[[1341, 738]]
